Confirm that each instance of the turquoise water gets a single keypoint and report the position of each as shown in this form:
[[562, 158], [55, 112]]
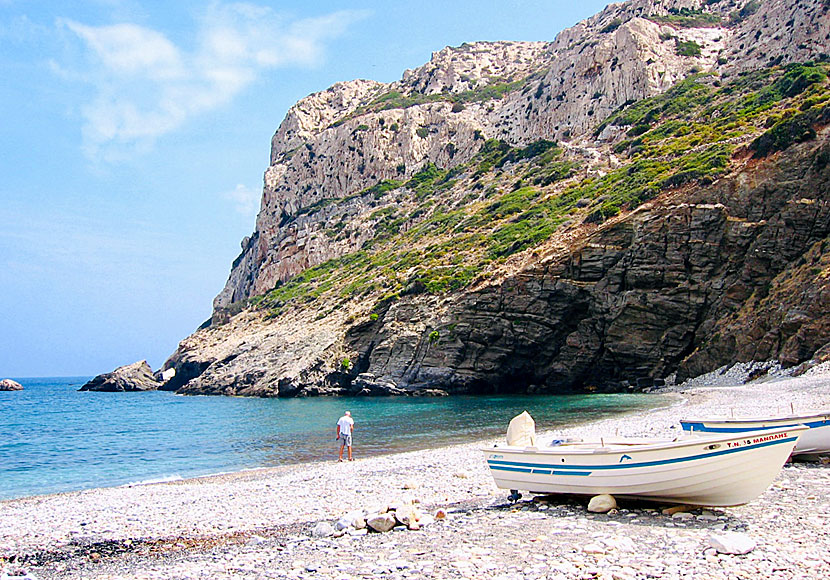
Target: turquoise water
[[54, 438]]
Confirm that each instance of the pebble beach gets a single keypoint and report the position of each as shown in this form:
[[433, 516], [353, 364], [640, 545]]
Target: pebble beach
[[266, 523]]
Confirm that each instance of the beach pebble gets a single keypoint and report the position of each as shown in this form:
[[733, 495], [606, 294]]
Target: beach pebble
[[353, 519], [675, 509], [406, 515], [731, 543], [593, 549], [323, 530], [602, 503], [381, 522], [17, 574]]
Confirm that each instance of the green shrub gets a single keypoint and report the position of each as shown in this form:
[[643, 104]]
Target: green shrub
[[798, 78], [787, 132], [426, 180], [686, 48], [688, 18], [638, 130], [422, 132], [380, 188]]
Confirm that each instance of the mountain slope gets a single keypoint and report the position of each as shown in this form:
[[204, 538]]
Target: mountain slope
[[598, 211]]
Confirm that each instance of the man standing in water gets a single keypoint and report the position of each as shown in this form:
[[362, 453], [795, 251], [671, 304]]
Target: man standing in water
[[345, 426]]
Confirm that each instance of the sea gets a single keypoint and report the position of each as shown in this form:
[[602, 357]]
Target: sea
[[54, 438]]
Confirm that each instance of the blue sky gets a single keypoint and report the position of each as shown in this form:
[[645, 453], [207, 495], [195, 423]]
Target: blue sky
[[134, 138]]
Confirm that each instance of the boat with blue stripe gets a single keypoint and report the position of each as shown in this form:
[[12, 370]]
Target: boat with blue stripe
[[712, 470], [812, 444]]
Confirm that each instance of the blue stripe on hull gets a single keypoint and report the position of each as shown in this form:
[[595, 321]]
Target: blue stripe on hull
[[518, 466]]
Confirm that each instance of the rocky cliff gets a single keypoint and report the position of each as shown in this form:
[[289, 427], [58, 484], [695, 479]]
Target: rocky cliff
[[645, 195]]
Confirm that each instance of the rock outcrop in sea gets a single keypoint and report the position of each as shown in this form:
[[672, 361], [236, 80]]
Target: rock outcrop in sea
[[10, 385], [135, 377], [646, 196]]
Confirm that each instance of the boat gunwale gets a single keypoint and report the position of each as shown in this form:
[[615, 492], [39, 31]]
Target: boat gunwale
[[592, 448], [824, 416]]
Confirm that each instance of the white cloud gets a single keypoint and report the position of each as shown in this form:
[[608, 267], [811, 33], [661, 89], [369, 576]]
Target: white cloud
[[245, 199], [145, 85]]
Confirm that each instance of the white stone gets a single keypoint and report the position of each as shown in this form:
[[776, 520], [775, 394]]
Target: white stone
[[593, 549], [322, 530], [602, 503], [406, 515], [732, 543]]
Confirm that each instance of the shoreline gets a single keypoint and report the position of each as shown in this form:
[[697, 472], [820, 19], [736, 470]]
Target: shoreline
[[373, 442], [265, 514]]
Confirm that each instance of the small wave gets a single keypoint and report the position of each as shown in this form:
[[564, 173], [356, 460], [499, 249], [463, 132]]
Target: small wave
[[162, 479]]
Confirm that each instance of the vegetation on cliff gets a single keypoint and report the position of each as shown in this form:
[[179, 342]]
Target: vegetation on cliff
[[445, 228], [502, 220]]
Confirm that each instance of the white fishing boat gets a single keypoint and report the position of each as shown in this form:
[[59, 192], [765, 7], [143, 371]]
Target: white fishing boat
[[811, 444], [713, 470]]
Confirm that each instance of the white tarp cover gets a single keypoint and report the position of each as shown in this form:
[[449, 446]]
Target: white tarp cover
[[522, 431]]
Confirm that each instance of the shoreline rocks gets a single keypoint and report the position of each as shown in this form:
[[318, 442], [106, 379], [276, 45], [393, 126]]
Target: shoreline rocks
[[129, 378], [10, 385]]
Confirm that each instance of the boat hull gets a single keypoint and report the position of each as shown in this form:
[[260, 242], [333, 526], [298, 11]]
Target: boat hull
[[812, 443], [707, 471]]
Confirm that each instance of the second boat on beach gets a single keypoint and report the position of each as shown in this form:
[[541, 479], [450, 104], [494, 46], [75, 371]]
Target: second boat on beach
[[811, 445], [714, 470]]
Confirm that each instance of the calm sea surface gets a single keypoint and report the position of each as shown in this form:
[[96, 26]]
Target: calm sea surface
[[54, 438]]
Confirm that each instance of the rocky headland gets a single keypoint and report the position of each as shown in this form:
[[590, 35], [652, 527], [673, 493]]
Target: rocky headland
[[644, 198]]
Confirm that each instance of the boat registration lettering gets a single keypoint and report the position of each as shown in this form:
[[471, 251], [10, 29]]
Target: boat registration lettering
[[766, 438], [756, 440]]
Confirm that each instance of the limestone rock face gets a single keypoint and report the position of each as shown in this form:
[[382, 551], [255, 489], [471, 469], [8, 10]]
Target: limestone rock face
[[336, 143], [135, 377], [10, 385], [710, 274], [777, 31]]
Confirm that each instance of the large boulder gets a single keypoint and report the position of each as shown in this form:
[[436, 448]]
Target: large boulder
[[10, 385], [135, 377]]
